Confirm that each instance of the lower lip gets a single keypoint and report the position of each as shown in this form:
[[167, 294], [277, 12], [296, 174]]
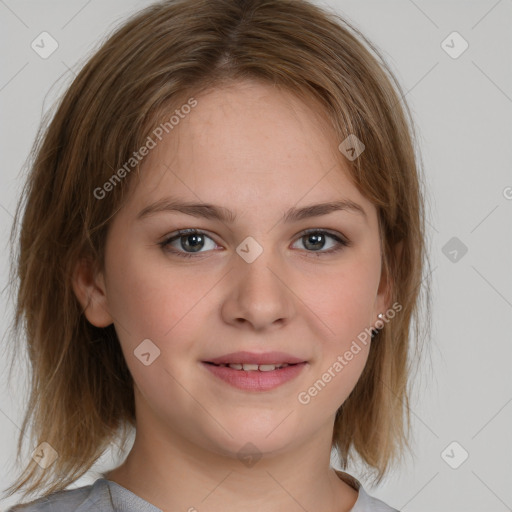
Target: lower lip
[[255, 380]]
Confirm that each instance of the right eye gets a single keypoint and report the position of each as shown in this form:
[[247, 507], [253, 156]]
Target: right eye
[[192, 239]]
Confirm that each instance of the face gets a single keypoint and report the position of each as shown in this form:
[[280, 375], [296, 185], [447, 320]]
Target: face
[[269, 276]]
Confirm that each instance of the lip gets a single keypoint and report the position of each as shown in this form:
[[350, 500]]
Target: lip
[[255, 380], [255, 358]]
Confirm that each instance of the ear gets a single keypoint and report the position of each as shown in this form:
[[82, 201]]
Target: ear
[[89, 288], [385, 291]]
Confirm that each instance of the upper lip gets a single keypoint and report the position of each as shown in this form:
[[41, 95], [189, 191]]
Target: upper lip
[[255, 358]]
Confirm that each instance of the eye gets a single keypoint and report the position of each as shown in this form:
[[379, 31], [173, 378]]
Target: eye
[[314, 240], [192, 239]]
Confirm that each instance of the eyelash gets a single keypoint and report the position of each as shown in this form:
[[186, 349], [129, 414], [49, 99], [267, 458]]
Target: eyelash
[[342, 243]]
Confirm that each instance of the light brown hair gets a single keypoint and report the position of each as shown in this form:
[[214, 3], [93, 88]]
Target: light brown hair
[[81, 395]]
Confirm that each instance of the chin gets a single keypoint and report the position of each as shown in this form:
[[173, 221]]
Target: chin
[[245, 441]]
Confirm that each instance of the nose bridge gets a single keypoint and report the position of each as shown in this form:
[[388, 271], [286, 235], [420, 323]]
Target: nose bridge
[[260, 296]]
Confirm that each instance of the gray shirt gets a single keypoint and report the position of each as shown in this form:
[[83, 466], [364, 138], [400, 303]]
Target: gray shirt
[[107, 496]]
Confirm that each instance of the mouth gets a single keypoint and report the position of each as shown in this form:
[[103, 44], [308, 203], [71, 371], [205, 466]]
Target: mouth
[[255, 372], [248, 367], [250, 359]]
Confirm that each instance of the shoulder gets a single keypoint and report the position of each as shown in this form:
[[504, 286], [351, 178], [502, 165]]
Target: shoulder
[[365, 502], [82, 499]]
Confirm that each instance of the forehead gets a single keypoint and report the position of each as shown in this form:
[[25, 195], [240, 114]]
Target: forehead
[[248, 145]]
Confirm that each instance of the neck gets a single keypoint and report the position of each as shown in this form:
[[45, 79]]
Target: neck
[[169, 471]]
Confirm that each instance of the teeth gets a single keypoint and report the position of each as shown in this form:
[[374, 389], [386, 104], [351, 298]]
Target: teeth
[[267, 367], [250, 367], [254, 367]]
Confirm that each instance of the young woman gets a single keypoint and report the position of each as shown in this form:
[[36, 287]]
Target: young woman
[[221, 252]]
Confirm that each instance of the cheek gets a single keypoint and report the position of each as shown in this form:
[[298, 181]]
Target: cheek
[[344, 303], [151, 302], [346, 309], [345, 300], [149, 299]]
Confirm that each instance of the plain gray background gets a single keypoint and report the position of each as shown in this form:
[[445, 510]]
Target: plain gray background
[[462, 107]]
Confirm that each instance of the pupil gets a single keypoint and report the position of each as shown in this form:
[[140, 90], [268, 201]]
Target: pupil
[[317, 241], [196, 246]]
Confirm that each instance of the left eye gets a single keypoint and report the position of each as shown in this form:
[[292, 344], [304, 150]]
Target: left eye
[[194, 240], [316, 238]]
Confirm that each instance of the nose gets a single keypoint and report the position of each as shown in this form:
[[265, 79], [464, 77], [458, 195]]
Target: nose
[[259, 297]]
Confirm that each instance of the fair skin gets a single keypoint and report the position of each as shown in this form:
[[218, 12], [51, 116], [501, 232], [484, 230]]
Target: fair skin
[[257, 151]]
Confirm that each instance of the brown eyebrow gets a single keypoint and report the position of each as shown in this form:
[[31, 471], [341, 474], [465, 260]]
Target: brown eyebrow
[[210, 211]]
